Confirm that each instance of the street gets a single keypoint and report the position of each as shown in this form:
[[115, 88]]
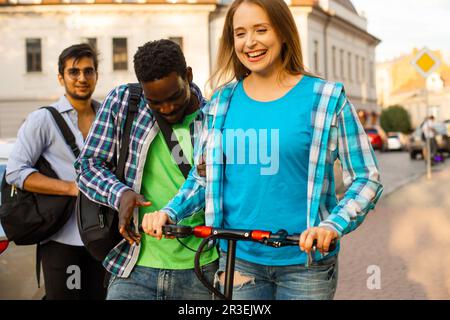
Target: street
[[406, 239], [397, 169]]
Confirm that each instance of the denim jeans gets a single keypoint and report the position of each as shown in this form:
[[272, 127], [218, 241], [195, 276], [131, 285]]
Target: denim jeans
[[296, 282], [161, 284]]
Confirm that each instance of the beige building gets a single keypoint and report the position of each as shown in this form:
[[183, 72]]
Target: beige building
[[334, 37], [399, 83]]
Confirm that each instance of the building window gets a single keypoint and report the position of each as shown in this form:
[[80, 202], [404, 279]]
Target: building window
[[178, 41], [350, 77], [120, 54], [92, 42], [34, 55], [342, 64], [334, 62], [316, 56], [357, 68]]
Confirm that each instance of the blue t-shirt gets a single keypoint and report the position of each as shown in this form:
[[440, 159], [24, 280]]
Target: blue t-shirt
[[266, 146]]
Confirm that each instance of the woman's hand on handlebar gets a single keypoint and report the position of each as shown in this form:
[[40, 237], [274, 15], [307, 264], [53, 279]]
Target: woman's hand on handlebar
[[152, 223], [322, 235]]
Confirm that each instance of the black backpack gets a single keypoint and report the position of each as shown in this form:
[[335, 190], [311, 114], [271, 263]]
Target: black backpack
[[30, 218], [98, 224]]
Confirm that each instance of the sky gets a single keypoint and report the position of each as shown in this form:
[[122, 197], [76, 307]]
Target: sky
[[405, 24]]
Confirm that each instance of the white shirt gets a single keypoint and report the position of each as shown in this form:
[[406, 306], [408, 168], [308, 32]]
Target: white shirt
[[40, 135], [428, 129]]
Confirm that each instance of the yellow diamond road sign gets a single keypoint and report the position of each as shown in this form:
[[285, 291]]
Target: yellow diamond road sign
[[426, 63]]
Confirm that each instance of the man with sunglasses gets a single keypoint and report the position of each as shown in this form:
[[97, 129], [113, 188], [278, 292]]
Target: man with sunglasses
[[143, 268], [70, 273]]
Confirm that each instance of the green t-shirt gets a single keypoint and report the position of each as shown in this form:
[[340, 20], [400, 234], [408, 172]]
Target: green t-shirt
[[160, 183]]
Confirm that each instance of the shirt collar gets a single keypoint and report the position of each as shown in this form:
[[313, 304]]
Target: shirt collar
[[196, 90], [63, 105]]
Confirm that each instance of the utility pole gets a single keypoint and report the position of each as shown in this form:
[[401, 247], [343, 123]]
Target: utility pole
[[428, 140]]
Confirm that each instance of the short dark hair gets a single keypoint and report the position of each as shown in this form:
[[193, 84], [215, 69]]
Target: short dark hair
[[77, 51], [157, 59]]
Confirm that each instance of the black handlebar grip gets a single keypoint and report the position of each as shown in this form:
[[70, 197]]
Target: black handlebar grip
[[294, 239], [332, 246], [178, 231]]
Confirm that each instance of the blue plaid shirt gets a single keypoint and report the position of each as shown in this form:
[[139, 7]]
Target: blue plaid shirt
[[337, 133], [98, 159]]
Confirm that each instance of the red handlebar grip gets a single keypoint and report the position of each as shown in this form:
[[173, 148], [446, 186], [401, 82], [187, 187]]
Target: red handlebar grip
[[259, 235], [202, 231]]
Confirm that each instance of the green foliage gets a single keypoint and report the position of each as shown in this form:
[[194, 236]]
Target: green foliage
[[395, 118]]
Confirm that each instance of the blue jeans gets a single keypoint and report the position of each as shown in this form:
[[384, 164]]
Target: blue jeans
[[317, 282], [161, 284]]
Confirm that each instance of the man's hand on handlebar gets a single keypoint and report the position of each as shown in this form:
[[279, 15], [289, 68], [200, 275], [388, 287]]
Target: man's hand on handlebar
[[322, 235], [201, 167], [152, 223]]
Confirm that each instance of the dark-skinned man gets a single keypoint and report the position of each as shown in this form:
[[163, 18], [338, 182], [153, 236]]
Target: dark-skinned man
[[139, 262]]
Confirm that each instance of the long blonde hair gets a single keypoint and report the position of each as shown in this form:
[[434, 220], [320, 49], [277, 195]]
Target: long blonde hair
[[228, 67]]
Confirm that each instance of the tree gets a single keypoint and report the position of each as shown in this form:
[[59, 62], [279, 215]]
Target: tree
[[395, 118]]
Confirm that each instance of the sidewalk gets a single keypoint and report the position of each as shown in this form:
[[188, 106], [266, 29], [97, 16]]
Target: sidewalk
[[18, 274], [408, 238]]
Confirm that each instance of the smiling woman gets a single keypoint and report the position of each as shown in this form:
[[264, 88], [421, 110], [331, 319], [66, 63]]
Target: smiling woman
[[257, 24], [262, 87]]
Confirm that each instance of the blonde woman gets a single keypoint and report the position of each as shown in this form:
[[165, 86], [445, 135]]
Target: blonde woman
[[271, 136]]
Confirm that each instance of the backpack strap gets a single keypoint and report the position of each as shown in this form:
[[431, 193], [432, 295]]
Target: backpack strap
[[65, 130], [167, 131], [133, 102]]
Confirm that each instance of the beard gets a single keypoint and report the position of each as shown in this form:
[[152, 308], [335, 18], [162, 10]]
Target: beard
[[76, 96]]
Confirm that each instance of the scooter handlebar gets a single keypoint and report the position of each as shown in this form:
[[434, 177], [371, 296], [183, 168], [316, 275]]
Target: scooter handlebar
[[278, 239]]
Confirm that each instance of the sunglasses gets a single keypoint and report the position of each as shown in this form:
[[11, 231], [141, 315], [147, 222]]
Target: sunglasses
[[74, 73]]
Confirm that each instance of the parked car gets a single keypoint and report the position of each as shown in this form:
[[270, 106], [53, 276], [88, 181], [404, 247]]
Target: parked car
[[447, 126], [416, 143], [377, 138], [396, 141]]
